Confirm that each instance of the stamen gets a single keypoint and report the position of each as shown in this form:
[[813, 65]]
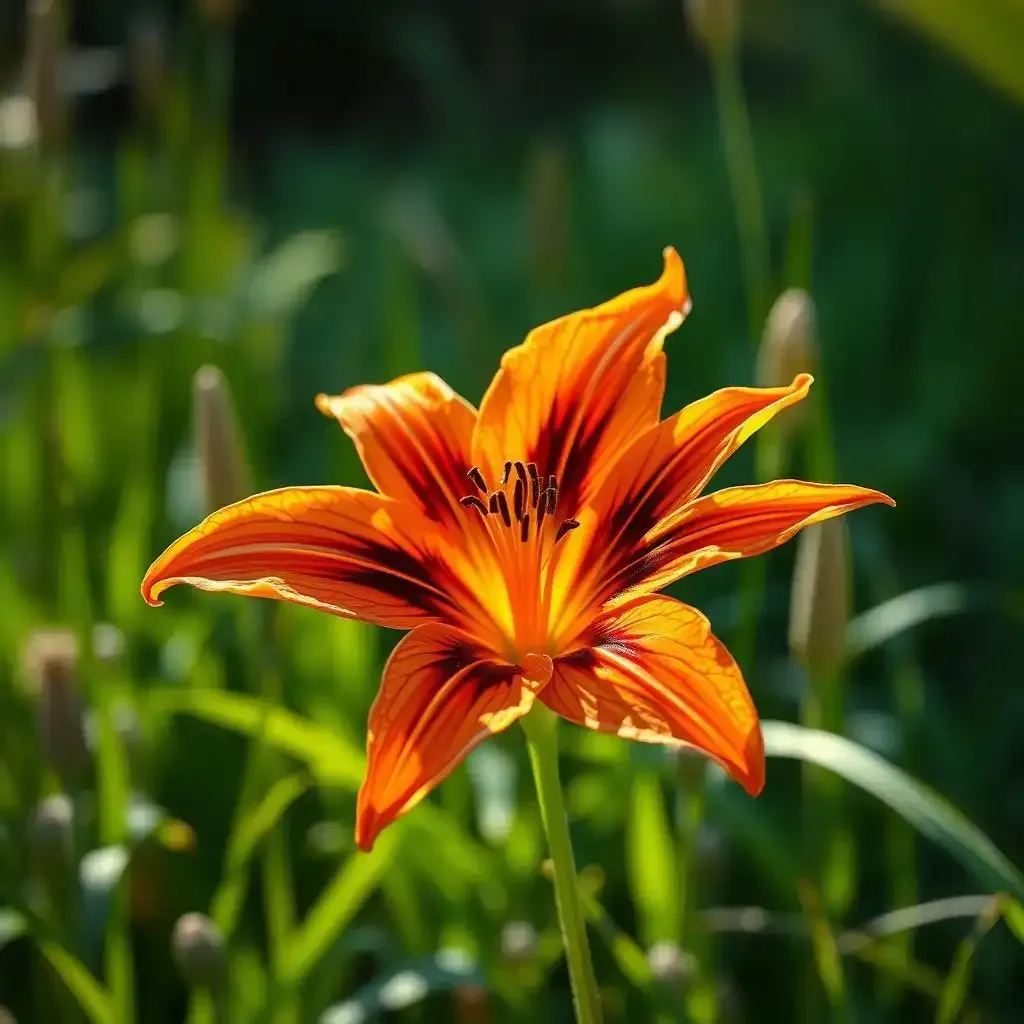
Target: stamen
[[508, 470], [524, 529], [534, 484], [503, 509], [519, 498], [521, 473], [472, 501], [493, 504], [478, 478], [567, 527], [553, 488], [542, 509]]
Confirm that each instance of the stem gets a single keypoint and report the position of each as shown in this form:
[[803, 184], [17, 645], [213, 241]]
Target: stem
[[740, 164], [541, 728]]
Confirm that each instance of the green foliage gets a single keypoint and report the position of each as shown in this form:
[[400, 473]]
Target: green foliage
[[209, 754]]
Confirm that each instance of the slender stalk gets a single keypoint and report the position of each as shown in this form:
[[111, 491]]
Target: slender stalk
[[741, 166], [541, 728]]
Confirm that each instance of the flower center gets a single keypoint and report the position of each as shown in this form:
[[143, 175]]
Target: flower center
[[534, 500]]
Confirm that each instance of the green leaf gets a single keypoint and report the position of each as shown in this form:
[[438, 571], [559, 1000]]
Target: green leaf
[[330, 757], [931, 814], [406, 986], [93, 998], [12, 926], [954, 992], [650, 860], [283, 281], [1013, 915], [827, 958], [988, 35]]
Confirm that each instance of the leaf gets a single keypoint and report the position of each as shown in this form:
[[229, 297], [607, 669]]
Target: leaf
[[93, 998], [1013, 915], [650, 860], [887, 620], [932, 815], [331, 758], [827, 958], [283, 280], [337, 905], [406, 986], [226, 904], [954, 992], [12, 926], [986, 34]]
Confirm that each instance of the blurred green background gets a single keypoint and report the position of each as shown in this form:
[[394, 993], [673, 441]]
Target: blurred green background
[[312, 195]]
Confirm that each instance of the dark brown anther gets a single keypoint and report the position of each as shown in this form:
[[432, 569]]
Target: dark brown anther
[[542, 509], [524, 529], [503, 509], [506, 474], [472, 501], [519, 499], [553, 491], [478, 478], [521, 473], [493, 504], [567, 527], [534, 484]]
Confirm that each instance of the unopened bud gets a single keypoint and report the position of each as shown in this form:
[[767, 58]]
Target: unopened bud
[[518, 942], [789, 346], [43, 54], [819, 606], [225, 473], [714, 22], [198, 949], [669, 964], [50, 669], [51, 834]]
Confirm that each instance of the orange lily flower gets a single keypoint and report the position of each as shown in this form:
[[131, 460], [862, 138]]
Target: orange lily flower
[[524, 545]]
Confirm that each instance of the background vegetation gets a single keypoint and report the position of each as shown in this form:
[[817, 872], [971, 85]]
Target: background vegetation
[[311, 195]]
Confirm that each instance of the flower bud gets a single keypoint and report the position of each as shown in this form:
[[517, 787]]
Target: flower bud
[[49, 666], [518, 942], [225, 473], [51, 834], [198, 949], [669, 965], [789, 346], [819, 606], [714, 22]]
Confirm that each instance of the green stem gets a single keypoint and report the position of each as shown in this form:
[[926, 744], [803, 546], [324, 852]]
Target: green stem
[[741, 166], [541, 728]]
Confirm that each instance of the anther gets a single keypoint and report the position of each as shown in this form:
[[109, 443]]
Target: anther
[[567, 527], [553, 488], [524, 529], [505, 476], [478, 478], [519, 499], [534, 484], [472, 501], [503, 509], [521, 473], [493, 504], [542, 509]]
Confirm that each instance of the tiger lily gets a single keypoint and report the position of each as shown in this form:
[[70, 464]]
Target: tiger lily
[[524, 545]]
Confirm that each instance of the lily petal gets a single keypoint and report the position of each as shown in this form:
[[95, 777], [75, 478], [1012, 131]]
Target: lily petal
[[654, 672], [441, 695], [576, 387], [414, 436], [736, 523], [339, 549], [662, 471]]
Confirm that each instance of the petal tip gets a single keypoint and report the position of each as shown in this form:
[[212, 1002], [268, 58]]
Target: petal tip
[[673, 279]]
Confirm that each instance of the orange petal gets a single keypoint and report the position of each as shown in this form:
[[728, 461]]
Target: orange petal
[[339, 549], [663, 470], [441, 695], [736, 523], [414, 436], [568, 397], [654, 672]]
